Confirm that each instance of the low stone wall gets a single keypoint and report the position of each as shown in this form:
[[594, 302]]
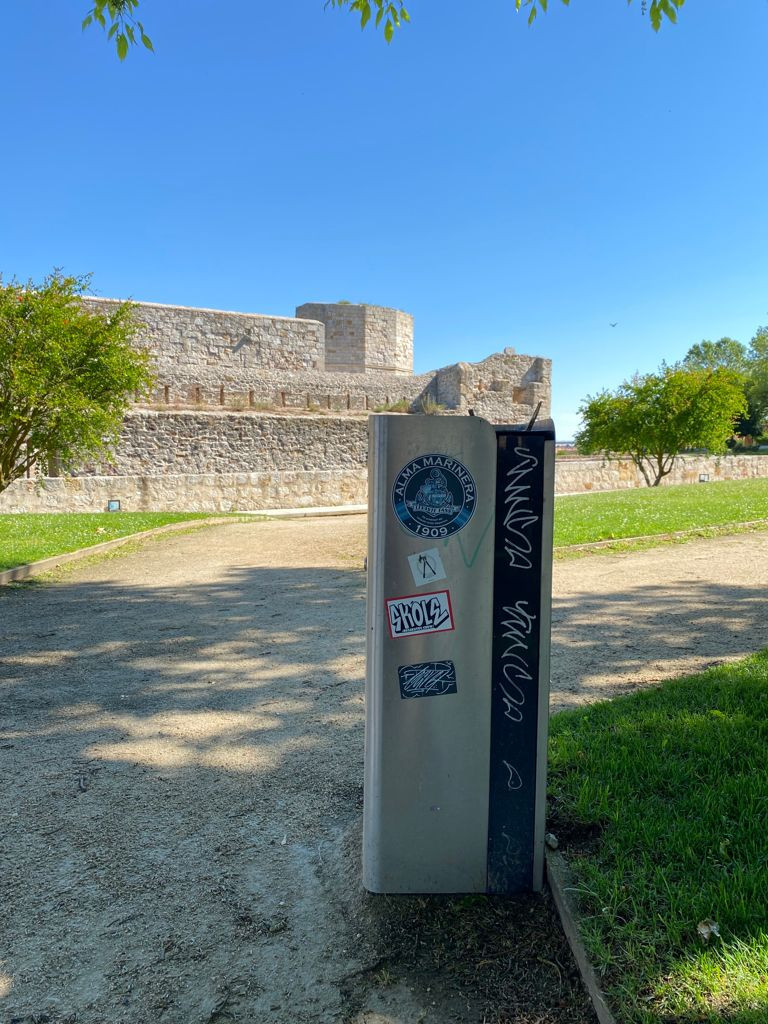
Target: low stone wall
[[209, 492], [575, 475], [301, 488]]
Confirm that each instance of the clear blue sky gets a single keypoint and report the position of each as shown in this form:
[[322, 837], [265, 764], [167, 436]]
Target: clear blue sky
[[506, 185]]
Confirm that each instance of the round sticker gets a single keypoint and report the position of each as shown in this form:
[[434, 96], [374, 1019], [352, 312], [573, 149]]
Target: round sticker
[[434, 496]]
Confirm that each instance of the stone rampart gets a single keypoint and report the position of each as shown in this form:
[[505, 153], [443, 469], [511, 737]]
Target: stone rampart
[[302, 488], [201, 344], [158, 443], [573, 476], [504, 388], [291, 390]]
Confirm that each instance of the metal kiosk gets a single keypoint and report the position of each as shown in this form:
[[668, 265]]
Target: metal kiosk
[[458, 623]]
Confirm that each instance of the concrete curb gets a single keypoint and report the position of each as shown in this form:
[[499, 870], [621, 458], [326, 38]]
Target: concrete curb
[[561, 884], [22, 572], [304, 513]]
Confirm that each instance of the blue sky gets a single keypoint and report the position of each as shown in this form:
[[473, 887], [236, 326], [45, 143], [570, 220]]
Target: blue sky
[[506, 185]]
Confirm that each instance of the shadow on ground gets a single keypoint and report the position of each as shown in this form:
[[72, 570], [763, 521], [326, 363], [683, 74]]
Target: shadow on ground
[[629, 635], [184, 769], [183, 785]]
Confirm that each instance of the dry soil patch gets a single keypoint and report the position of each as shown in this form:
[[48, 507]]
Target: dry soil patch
[[181, 750]]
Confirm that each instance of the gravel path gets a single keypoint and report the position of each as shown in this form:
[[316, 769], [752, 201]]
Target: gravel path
[[181, 754]]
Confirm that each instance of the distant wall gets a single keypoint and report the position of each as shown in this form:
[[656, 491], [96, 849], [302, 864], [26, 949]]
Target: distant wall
[[574, 475]]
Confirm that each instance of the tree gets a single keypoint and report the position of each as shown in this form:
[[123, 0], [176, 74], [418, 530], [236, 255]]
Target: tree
[[731, 354], [751, 363], [709, 355], [757, 385], [124, 27], [67, 375], [652, 418]]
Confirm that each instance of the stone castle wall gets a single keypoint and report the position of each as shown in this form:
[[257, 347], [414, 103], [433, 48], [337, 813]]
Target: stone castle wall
[[574, 476], [214, 420], [504, 388], [301, 488], [200, 344], [159, 443], [292, 390]]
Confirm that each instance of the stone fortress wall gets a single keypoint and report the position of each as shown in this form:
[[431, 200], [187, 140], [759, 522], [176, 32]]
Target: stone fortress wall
[[356, 358], [252, 411]]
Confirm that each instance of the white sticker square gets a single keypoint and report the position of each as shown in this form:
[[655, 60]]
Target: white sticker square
[[426, 567], [415, 614]]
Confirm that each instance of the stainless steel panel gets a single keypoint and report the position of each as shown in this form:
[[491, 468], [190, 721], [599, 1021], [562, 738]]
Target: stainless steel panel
[[427, 739]]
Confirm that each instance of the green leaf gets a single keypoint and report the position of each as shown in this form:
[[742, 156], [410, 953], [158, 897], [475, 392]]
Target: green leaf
[[389, 31], [122, 46], [365, 15], [404, 14], [379, 15], [87, 21], [147, 41], [532, 15], [112, 30]]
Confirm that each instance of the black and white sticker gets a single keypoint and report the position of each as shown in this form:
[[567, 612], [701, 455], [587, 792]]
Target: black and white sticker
[[428, 679], [426, 567], [415, 614]]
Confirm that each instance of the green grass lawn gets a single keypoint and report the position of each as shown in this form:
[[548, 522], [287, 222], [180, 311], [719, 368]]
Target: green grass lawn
[[661, 803], [585, 518], [28, 538]]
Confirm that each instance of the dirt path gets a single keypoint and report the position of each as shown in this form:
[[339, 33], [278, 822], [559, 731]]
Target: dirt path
[[181, 755]]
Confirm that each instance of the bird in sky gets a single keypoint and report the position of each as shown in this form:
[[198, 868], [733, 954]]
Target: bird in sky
[[613, 325]]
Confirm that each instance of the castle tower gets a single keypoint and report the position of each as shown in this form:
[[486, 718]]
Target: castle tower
[[362, 337]]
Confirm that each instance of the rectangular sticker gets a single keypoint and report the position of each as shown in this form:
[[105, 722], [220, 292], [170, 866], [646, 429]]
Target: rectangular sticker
[[426, 567], [416, 614], [428, 679]]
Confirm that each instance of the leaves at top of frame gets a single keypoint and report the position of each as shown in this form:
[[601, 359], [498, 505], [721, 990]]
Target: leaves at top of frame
[[122, 24]]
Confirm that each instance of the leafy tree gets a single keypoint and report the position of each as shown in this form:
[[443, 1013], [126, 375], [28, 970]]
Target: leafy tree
[[731, 354], [67, 374], [124, 27], [652, 418], [709, 355], [757, 385]]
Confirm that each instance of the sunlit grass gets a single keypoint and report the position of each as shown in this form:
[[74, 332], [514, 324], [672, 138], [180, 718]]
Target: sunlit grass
[[640, 512], [29, 538], [675, 782]]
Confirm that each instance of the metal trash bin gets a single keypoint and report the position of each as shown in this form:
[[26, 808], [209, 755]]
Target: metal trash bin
[[459, 583]]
